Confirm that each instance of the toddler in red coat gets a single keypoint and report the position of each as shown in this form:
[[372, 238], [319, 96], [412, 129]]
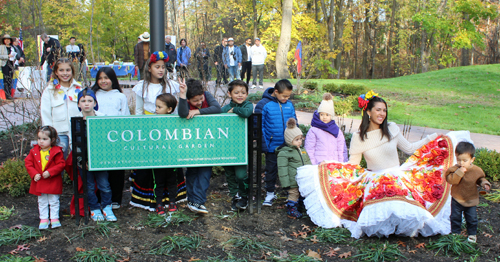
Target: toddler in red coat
[[45, 163]]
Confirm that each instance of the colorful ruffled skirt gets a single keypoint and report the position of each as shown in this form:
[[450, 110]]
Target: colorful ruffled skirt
[[142, 189], [408, 200]]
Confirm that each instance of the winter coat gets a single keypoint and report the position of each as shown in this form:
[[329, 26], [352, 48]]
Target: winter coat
[[112, 102], [289, 159], [218, 51], [274, 118], [244, 109], [139, 57], [54, 54], [186, 55], [321, 145], [55, 165], [227, 53], [4, 55], [172, 54], [57, 111], [245, 54]]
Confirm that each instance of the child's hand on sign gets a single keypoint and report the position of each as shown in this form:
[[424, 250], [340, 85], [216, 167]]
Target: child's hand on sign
[[182, 88], [192, 113]]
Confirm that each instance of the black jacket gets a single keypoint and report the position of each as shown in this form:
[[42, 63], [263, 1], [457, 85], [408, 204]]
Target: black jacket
[[82, 53], [54, 54], [218, 54], [200, 56], [20, 54], [172, 54], [244, 54]]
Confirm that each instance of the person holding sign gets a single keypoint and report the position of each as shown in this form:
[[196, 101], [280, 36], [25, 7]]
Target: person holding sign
[[87, 104], [155, 83], [113, 103], [194, 101], [236, 176]]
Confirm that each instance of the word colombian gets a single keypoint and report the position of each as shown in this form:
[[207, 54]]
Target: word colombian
[[168, 134]]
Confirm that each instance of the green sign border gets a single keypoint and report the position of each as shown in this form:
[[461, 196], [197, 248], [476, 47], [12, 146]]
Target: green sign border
[[89, 149]]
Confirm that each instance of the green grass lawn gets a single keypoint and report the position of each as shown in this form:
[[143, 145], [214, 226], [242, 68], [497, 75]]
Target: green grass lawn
[[461, 98]]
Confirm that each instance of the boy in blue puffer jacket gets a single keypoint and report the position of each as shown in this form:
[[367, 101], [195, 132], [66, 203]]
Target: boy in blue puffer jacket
[[276, 110]]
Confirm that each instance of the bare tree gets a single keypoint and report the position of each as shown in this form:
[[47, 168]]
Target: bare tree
[[285, 38]]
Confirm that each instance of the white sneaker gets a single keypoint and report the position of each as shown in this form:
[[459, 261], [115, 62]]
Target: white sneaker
[[472, 238], [261, 87], [253, 86], [270, 198]]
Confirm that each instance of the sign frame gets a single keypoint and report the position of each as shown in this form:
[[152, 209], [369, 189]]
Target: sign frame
[[89, 147]]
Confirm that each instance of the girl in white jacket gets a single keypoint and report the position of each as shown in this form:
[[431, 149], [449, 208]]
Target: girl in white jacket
[[59, 101], [112, 102]]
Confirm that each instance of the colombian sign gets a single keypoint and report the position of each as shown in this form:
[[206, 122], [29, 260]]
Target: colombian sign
[[163, 141]]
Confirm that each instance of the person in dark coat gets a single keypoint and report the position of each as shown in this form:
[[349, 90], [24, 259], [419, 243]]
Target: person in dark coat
[[219, 62], [51, 53], [172, 54], [202, 55]]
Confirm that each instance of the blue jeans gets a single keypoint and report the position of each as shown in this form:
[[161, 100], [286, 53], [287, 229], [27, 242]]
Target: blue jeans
[[197, 183], [470, 214], [233, 72], [101, 177], [49, 73]]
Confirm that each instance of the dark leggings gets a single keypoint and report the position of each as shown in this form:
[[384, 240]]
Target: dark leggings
[[116, 180], [165, 177]]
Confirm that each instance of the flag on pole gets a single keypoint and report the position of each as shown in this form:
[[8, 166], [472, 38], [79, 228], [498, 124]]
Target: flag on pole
[[298, 57], [21, 39]]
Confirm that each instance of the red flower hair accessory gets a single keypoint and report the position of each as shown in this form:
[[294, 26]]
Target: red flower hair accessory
[[157, 56], [364, 99]]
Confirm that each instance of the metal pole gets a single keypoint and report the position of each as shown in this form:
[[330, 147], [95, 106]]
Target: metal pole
[[157, 24]]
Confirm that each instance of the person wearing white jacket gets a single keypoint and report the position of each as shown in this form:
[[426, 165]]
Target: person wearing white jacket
[[59, 102], [259, 54]]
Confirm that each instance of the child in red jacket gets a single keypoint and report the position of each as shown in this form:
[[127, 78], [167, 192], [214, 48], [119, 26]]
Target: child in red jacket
[[45, 163]]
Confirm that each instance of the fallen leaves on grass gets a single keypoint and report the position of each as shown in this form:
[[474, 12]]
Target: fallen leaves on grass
[[314, 239], [16, 227], [303, 234], [127, 249], [193, 259], [23, 247], [13, 252], [332, 252], [421, 245], [227, 229], [283, 254], [345, 255], [123, 260], [280, 207], [306, 228], [487, 235], [41, 259], [401, 243], [295, 234], [79, 249], [41, 239], [313, 254], [412, 251], [284, 238]]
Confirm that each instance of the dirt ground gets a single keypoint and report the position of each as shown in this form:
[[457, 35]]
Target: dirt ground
[[133, 242]]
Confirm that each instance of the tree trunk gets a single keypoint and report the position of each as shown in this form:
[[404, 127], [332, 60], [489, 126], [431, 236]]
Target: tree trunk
[[328, 14], [255, 22], [91, 20], [389, 40], [356, 37], [285, 38]]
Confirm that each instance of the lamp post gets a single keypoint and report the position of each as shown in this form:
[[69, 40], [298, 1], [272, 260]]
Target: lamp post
[[157, 24]]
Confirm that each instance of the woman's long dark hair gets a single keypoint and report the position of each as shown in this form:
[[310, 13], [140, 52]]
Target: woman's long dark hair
[[111, 75], [365, 122]]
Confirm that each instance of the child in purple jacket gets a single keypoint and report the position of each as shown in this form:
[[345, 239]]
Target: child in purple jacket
[[325, 141]]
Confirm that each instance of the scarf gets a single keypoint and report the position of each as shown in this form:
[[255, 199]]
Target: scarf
[[331, 127]]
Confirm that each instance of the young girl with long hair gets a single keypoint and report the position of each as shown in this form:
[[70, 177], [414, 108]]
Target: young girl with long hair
[[155, 83], [59, 101], [45, 164], [112, 102]]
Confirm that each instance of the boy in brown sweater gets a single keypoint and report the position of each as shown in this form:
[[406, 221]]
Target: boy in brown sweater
[[464, 176]]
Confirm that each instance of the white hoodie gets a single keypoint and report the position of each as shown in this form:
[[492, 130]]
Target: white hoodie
[[112, 103], [259, 55]]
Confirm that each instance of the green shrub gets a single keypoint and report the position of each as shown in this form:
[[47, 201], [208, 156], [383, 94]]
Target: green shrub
[[304, 129], [218, 171], [307, 104], [310, 85], [352, 89], [331, 88], [14, 178], [255, 97], [489, 161]]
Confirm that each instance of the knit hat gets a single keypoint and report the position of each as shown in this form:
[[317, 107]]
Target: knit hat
[[326, 105], [88, 92], [291, 131]]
